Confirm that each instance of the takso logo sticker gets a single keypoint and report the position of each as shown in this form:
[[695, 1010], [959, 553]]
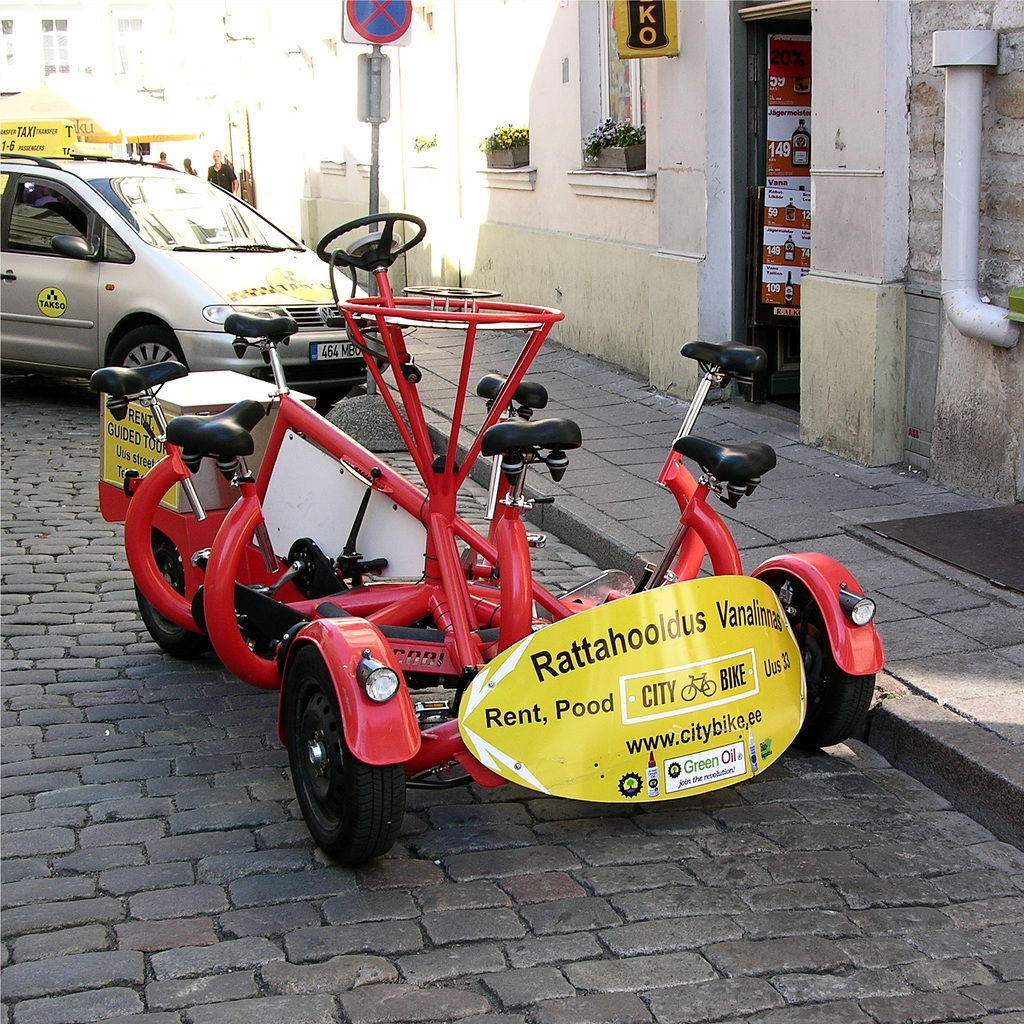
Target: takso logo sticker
[[52, 302]]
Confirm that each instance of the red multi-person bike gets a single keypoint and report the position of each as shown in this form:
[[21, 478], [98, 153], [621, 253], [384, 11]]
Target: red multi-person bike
[[411, 650]]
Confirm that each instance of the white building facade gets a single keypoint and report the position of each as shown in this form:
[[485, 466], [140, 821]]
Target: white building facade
[[643, 261]]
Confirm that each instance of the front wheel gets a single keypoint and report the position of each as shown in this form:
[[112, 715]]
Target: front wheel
[[169, 636], [837, 702], [353, 810], [151, 343]]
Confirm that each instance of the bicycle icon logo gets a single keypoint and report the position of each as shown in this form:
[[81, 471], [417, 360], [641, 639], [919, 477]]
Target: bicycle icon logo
[[701, 684]]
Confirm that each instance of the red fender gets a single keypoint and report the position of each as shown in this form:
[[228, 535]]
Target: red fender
[[226, 560], [138, 524], [378, 734], [857, 649]]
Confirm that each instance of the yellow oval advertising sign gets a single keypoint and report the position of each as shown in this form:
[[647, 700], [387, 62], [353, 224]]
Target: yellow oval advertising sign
[[660, 695]]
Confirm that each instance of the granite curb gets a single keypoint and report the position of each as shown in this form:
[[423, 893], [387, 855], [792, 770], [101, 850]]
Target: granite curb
[[974, 770]]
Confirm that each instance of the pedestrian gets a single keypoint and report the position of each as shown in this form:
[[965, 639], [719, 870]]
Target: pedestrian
[[164, 162], [189, 169], [222, 174]]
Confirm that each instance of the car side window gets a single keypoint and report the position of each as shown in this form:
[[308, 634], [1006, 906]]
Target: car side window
[[40, 210], [113, 249]]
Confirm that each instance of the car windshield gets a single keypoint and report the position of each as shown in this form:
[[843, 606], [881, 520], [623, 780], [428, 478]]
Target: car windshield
[[185, 214]]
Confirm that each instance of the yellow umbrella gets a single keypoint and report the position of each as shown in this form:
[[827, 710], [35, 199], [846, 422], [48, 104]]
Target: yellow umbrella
[[46, 104], [144, 119], [100, 113]]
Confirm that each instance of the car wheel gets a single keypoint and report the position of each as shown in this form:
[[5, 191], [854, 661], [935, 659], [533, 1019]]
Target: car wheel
[[144, 345]]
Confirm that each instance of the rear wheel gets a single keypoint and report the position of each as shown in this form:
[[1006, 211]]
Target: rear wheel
[[151, 343], [837, 702], [170, 637], [353, 810]]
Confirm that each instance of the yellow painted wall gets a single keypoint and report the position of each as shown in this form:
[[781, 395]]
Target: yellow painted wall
[[853, 348]]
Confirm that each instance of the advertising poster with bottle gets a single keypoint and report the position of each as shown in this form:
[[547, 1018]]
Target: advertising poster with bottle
[[786, 248]]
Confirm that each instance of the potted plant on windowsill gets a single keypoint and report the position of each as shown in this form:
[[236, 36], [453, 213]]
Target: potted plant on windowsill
[[507, 147], [425, 143], [616, 145]]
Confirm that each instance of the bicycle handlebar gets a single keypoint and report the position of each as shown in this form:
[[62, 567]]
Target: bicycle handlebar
[[373, 252]]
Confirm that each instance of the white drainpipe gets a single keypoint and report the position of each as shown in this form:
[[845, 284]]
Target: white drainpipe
[[965, 54]]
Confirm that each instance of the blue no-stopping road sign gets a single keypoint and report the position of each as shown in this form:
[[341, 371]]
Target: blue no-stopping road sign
[[379, 22]]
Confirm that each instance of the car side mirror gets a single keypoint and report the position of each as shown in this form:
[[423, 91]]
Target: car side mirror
[[74, 246]]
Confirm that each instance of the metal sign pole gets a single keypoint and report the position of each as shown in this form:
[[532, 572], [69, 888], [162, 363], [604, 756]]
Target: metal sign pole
[[376, 66], [377, 22], [376, 70]]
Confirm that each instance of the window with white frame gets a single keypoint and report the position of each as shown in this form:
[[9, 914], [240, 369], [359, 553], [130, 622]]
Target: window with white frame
[[623, 94], [609, 87], [8, 27], [129, 45], [56, 60]]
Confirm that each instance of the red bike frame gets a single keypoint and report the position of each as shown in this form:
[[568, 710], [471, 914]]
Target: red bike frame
[[461, 604]]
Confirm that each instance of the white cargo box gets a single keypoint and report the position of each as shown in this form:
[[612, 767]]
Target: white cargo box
[[130, 443]]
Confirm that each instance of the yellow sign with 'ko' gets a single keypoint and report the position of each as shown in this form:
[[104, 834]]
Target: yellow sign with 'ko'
[[646, 28], [664, 694]]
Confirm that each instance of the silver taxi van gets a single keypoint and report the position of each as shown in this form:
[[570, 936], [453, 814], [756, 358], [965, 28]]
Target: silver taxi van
[[108, 262]]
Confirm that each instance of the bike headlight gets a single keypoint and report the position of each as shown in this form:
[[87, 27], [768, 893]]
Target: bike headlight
[[379, 681], [859, 609]]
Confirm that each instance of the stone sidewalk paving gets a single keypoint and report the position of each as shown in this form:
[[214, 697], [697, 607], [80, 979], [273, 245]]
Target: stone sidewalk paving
[[954, 642], [155, 865]]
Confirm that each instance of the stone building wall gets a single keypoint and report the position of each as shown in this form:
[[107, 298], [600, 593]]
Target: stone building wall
[[977, 440]]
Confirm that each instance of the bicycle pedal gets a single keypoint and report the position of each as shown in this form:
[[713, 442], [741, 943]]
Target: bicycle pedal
[[432, 712], [446, 776], [536, 540]]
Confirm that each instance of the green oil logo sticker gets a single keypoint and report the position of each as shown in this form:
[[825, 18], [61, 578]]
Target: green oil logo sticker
[[52, 302]]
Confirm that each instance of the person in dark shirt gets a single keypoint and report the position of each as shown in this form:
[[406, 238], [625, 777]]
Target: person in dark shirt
[[222, 173]]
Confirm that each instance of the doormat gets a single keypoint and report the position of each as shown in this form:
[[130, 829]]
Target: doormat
[[988, 542]]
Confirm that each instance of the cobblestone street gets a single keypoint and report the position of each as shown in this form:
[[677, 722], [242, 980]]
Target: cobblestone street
[[155, 862]]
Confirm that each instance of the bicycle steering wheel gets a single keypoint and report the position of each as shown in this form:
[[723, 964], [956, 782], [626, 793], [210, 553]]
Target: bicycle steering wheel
[[375, 251]]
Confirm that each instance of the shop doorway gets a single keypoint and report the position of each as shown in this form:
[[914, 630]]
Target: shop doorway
[[778, 189]]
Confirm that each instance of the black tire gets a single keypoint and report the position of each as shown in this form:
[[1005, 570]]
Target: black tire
[[170, 637], [837, 703], [151, 343], [353, 810]]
